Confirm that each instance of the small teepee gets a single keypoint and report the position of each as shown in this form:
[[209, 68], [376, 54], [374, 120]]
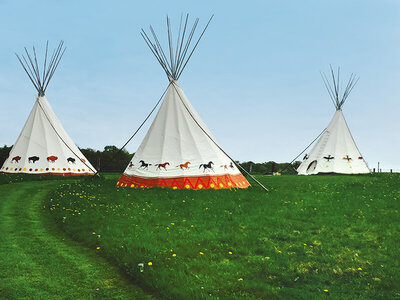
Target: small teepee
[[179, 150], [335, 151], [43, 146]]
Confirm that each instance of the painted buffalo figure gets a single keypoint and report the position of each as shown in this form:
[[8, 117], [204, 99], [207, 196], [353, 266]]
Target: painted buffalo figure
[[33, 159], [16, 159], [52, 159], [71, 160]]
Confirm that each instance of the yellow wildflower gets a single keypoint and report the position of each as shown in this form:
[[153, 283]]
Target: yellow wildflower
[[98, 248], [240, 279], [230, 252], [174, 254], [201, 253], [267, 257], [359, 269], [325, 290], [150, 263], [376, 279]]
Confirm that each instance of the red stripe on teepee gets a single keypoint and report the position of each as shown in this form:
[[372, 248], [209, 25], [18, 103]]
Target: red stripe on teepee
[[198, 182]]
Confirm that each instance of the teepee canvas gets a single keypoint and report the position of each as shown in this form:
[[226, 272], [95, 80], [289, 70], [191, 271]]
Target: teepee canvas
[[335, 151], [43, 146], [179, 150]]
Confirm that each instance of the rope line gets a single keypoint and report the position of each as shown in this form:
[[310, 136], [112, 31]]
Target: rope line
[[137, 130], [216, 144], [65, 143], [290, 164]]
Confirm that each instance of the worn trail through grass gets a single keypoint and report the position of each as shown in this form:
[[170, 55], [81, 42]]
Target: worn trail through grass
[[37, 262]]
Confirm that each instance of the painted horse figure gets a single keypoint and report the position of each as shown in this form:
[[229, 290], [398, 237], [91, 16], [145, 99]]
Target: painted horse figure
[[207, 166], [164, 165], [184, 166], [143, 165]]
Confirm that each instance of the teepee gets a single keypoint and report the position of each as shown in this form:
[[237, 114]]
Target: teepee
[[43, 146], [335, 151], [179, 150]]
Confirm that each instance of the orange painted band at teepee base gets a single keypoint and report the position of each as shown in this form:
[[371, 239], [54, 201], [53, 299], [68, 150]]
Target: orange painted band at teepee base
[[196, 182]]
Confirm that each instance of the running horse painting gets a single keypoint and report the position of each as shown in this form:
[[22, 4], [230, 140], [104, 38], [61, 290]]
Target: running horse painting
[[207, 166], [184, 166], [164, 166], [143, 165]]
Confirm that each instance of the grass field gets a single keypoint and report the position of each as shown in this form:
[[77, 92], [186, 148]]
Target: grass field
[[37, 262], [309, 237]]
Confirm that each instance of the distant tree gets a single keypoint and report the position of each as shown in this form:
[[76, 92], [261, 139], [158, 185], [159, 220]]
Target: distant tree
[[4, 152], [111, 159]]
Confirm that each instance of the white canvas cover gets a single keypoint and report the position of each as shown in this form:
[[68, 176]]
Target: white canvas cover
[[334, 152], [174, 139], [44, 147]]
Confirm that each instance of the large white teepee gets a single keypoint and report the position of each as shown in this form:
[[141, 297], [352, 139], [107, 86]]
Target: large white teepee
[[43, 146], [335, 151], [178, 150]]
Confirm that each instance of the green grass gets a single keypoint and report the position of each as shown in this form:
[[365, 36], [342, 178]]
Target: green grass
[[309, 237], [37, 262]]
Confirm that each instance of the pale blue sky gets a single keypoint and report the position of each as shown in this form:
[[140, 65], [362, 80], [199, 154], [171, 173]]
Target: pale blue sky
[[254, 78]]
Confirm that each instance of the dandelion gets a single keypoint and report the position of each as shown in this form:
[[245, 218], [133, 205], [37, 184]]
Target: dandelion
[[240, 279], [325, 290], [230, 252], [376, 279], [267, 257], [98, 248], [172, 223], [174, 255], [359, 269], [150, 263], [97, 289], [93, 232], [201, 253]]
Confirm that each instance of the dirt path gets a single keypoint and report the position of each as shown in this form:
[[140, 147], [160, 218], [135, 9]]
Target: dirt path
[[36, 261]]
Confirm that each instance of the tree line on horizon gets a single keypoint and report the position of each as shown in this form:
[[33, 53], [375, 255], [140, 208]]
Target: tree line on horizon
[[111, 159]]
